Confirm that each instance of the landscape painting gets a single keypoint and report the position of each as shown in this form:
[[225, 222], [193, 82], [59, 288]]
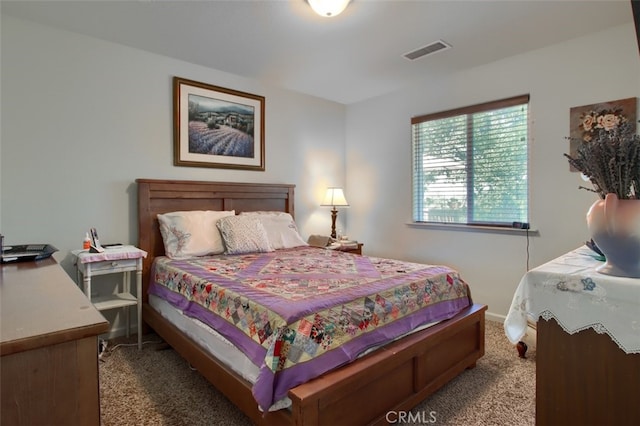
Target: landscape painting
[[217, 127]]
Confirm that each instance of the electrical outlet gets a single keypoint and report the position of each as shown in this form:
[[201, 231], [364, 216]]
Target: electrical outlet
[[102, 347]]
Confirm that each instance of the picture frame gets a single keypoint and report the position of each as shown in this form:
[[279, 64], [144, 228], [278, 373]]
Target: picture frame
[[217, 127]]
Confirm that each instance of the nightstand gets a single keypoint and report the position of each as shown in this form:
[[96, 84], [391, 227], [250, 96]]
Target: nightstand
[[351, 248], [114, 260]]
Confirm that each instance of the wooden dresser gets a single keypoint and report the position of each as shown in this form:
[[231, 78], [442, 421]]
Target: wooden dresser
[[584, 379], [48, 347], [588, 341]]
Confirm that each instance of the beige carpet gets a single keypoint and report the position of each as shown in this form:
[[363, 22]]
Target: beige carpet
[[156, 387]]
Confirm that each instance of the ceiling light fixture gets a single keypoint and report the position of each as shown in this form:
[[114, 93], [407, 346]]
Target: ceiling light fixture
[[328, 8]]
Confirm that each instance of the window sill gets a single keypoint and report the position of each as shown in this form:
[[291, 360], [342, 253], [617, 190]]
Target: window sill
[[473, 228]]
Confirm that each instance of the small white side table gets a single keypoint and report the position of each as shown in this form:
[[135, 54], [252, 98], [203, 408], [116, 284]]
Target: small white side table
[[115, 259]]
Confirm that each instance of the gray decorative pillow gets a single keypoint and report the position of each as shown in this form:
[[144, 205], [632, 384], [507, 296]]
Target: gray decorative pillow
[[243, 234], [281, 229]]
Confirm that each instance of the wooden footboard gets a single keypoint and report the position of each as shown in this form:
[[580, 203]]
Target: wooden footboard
[[394, 378]]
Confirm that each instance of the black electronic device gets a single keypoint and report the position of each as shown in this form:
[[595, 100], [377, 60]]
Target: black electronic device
[[95, 242], [23, 252]]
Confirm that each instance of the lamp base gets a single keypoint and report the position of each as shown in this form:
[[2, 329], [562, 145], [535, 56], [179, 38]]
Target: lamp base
[[334, 216]]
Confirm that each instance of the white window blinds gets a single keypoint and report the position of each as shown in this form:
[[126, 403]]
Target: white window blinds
[[470, 165]]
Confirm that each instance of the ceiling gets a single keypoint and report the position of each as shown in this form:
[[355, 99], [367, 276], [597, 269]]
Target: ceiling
[[349, 58]]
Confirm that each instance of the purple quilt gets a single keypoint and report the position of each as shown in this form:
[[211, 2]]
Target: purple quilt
[[301, 312]]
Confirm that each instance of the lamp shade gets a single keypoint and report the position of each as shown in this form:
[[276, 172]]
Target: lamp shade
[[335, 198], [328, 8]]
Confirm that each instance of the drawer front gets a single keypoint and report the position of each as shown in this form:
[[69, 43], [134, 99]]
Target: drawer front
[[113, 265]]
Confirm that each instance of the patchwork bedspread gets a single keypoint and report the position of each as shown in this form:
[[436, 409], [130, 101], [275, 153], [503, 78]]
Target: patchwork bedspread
[[301, 312]]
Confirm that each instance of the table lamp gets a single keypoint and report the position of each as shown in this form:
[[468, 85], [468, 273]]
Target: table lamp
[[334, 198]]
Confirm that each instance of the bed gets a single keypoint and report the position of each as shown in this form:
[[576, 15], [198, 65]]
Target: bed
[[394, 377]]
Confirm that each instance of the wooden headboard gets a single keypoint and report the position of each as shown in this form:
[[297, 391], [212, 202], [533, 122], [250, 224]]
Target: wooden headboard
[[163, 196]]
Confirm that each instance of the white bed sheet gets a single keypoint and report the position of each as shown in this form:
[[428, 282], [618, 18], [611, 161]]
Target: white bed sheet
[[214, 343], [209, 339]]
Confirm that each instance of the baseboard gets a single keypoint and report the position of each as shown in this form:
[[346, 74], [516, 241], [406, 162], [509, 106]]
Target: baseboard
[[490, 316]]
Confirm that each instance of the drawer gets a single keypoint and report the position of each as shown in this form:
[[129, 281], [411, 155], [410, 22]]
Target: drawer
[[109, 266]]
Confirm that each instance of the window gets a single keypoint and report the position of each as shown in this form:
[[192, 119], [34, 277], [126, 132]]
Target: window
[[470, 165]]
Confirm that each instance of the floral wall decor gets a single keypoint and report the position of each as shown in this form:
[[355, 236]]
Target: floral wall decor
[[586, 121]]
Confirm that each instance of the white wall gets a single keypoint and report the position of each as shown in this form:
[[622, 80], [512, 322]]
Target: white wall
[[597, 68], [83, 118]]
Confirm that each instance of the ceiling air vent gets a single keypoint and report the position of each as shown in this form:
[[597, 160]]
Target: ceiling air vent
[[429, 49]]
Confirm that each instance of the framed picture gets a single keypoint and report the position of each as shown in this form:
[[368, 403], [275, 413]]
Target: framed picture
[[586, 120], [217, 127]]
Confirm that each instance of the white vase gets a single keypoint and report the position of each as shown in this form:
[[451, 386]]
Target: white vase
[[614, 225]]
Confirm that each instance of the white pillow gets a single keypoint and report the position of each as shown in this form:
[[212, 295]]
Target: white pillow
[[243, 234], [192, 233], [281, 229], [265, 213]]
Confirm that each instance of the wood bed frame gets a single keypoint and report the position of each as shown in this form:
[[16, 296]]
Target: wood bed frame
[[394, 378]]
